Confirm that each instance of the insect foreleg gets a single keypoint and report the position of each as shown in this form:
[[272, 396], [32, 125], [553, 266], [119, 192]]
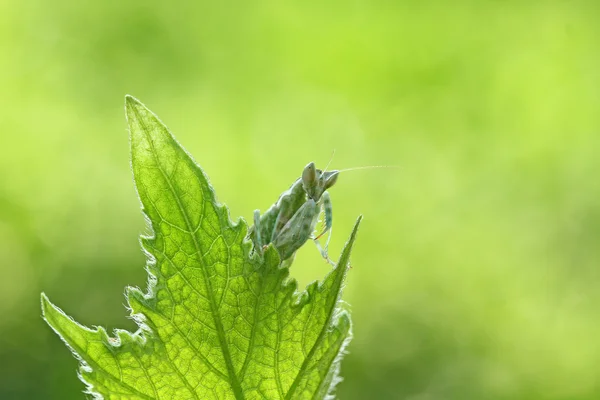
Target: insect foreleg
[[297, 230], [288, 205], [328, 214], [328, 211]]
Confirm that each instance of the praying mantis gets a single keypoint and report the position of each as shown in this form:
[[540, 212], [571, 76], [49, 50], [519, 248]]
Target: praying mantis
[[291, 221]]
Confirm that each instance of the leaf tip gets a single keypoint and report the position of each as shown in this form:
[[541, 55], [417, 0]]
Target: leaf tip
[[357, 223], [354, 230], [45, 303], [49, 310], [345, 257], [133, 107], [131, 101]]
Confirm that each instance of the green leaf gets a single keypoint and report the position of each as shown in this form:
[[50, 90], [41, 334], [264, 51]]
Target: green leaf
[[215, 323]]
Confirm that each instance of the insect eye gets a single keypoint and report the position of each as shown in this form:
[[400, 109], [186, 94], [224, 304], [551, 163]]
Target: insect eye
[[309, 174], [331, 179]]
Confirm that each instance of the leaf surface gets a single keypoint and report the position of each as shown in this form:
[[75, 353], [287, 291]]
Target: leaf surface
[[215, 321]]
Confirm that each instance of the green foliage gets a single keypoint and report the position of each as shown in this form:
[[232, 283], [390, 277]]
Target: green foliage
[[216, 323], [482, 273]]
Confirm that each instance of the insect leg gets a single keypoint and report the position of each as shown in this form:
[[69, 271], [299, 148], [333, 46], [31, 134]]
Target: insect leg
[[323, 252], [258, 245], [328, 209], [288, 204], [297, 230]]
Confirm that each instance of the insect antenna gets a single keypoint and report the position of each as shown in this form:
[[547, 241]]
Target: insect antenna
[[368, 167], [330, 160]]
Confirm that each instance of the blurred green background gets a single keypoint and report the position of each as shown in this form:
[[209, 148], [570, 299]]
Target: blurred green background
[[476, 271]]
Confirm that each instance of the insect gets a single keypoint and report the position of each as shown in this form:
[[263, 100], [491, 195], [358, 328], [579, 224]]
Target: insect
[[291, 221]]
